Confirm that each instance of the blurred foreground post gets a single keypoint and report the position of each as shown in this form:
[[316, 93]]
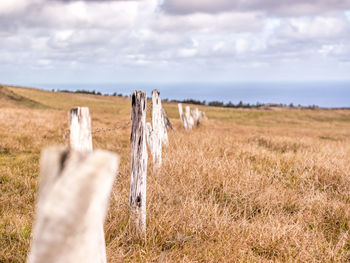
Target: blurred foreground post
[[80, 129], [182, 117], [189, 118], [137, 198], [71, 206]]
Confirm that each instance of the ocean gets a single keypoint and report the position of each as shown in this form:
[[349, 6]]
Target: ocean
[[334, 94]]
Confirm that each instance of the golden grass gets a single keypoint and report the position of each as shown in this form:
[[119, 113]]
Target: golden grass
[[248, 185]]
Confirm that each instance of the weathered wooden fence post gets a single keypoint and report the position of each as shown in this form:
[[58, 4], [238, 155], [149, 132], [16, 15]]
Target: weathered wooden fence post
[[137, 198], [149, 136], [182, 116], [71, 206], [80, 129], [189, 118], [156, 133], [166, 120], [157, 118], [196, 116], [153, 143], [81, 140]]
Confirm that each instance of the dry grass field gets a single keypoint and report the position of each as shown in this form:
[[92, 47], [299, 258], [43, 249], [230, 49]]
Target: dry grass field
[[248, 185]]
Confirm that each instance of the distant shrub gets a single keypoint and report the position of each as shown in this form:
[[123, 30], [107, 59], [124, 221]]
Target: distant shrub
[[82, 91], [216, 103], [192, 101], [230, 104]]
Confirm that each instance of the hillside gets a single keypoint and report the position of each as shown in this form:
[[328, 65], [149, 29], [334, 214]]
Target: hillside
[[248, 185], [10, 98]]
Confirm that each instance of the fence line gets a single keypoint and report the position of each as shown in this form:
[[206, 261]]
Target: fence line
[[75, 184], [189, 120], [99, 130], [119, 126]]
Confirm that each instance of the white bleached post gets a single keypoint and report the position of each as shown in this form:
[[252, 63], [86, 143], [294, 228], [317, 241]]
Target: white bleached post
[[137, 198], [189, 118], [158, 132], [80, 129], [72, 204], [157, 117], [81, 140], [196, 116], [150, 135], [182, 116], [153, 144]]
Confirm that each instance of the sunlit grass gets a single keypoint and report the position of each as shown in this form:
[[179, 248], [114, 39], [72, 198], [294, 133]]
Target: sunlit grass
[[248, 185]]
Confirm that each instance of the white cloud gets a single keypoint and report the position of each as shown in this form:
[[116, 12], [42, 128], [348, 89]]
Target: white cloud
[[187, 52], [209, 23], [117, 15], [44, 62], [11, 7], [219, 46], [241, 46], [190, 38], [286, 7], [315, 27]]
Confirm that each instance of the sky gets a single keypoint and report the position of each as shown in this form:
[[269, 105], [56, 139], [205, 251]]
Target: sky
[[63, 41]]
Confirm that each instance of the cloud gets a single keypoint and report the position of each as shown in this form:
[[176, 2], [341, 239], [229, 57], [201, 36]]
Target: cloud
[[318, 27], [189, 38], [210, 23], [282, 7], [67, 1], [8, 7], [73, 14]]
